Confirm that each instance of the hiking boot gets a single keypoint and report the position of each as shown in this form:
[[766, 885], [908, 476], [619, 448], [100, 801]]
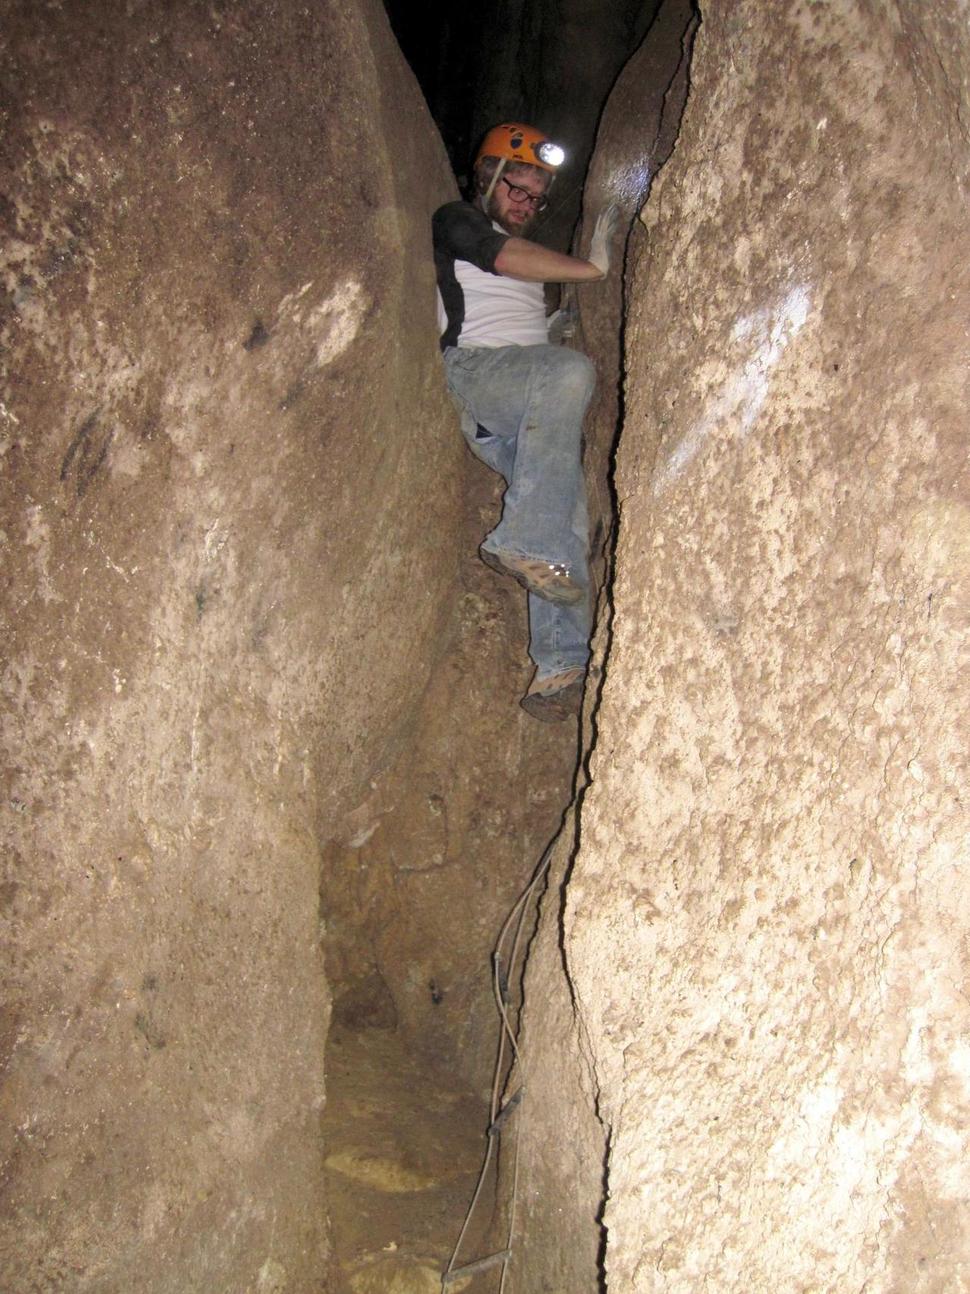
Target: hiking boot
[[549, 580], [560, 696]]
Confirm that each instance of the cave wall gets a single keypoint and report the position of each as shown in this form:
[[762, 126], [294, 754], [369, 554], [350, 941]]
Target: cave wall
[[765, 925], [636, 137], [217, 335], [565, 1243]]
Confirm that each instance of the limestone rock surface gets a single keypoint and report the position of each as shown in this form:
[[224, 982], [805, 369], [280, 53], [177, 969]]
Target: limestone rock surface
[[765, 927], [230, 518]]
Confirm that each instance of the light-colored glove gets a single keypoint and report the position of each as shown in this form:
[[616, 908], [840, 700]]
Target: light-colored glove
[[603, 231]]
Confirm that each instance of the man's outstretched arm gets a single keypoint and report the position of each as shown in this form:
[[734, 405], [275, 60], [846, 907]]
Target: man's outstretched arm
[[521, 259]]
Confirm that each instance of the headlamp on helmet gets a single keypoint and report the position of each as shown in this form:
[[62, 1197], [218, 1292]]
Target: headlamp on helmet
[[514, 142], [550, 153]]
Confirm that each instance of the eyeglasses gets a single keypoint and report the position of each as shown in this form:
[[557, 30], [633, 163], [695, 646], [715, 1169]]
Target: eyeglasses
[[518, 194]]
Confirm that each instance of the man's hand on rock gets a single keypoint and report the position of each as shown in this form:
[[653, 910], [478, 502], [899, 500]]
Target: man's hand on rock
[[603, 231]]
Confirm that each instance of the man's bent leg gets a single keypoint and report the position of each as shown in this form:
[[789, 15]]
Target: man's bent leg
[[547, 492], [535, 396], [500, 390]]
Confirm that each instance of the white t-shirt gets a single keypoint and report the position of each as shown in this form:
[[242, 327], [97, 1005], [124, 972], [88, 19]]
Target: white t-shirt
[[487, 309]]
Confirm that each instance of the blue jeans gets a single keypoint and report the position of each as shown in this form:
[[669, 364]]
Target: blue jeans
[[524, 408]]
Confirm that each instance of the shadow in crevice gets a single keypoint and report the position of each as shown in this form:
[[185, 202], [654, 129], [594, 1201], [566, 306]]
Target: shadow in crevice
[[543, 901], [670, 117], [401, 1155]]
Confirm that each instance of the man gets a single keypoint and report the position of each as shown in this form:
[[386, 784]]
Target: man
[[522, 399]]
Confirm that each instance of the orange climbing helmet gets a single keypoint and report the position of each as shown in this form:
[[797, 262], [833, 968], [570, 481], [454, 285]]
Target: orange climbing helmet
[[513, 142]]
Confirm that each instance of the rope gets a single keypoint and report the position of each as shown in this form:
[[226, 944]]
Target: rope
[[500, 989], [472, 1269]]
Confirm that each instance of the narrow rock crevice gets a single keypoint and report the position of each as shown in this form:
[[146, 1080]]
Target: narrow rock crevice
[[268, 794]]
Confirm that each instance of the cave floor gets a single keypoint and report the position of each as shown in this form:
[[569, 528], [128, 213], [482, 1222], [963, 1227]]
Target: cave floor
[[404, 1149]]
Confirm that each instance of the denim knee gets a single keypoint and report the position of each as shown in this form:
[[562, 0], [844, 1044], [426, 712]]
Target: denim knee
[[573, 371]]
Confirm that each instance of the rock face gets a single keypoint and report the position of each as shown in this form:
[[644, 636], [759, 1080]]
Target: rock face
[[228, 574], [637, 132], [765, 927], [259, 719]]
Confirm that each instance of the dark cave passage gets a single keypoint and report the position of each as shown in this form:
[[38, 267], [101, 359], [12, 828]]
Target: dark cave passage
[[526, 60], [410, 974]]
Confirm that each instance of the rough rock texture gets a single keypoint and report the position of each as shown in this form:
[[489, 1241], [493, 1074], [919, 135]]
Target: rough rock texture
[[401, 1163], [636, 137], [766, 924], [250, 701], [560, 1249], [227, 575], [549, 1195]]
